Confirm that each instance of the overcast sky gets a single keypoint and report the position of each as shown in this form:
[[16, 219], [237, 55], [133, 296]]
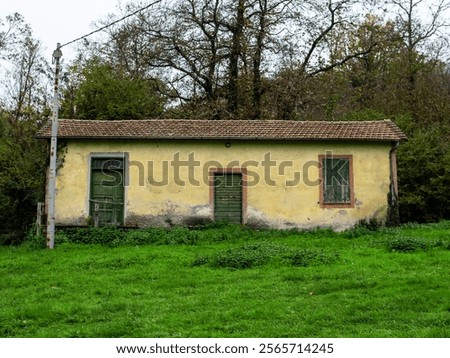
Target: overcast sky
[[61, 21]]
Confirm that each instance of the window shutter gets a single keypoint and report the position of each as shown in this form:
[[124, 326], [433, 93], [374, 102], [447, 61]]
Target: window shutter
[[336, 180]]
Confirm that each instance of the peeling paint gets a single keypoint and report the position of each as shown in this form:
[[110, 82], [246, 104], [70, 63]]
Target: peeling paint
[[143, 221], [81, 220], [201, 210]]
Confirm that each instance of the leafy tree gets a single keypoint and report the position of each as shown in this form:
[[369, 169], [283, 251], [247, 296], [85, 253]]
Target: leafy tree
[[424, 175], [23, 109], [104, 93], [22, 175], [10, 29]]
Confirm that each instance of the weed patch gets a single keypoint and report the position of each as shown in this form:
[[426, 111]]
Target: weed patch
[[180, 236], [246, 256], [261, 253], [406, 244], [306, 258], [412, 244], [114, 237], [108, 236]]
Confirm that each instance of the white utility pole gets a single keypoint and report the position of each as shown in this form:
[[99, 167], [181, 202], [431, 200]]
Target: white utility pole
[[51, 185]]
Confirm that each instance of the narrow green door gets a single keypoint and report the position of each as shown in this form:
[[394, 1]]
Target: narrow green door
[[228, 197], [107, 190]]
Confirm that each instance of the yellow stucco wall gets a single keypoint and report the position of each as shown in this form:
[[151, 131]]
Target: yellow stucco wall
[[278, 205]]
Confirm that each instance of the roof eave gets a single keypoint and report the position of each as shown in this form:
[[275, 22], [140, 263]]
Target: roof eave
[[228, 138]]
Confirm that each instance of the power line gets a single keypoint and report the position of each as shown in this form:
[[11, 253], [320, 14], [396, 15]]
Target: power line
[[111, 24]]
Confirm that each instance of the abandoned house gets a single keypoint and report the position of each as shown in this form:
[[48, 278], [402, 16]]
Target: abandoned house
[[281, 174]]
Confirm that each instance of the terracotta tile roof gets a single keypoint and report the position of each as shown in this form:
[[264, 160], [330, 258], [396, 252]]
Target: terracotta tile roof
[[384, 130]]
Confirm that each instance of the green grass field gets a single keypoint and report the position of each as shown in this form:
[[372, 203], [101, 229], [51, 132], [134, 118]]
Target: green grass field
[[232, 282]]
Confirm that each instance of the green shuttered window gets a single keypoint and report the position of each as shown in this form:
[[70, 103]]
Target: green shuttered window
[[337, 181]]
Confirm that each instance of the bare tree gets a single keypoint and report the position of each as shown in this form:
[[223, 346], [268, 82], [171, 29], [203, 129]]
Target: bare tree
[[266, 18], [315, 43], [419, 24], [202, 48], [186, 40], [215, 55], [419, 21], [236, 27]]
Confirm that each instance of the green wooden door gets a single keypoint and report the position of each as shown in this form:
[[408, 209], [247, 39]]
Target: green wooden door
[[107, 190], [228, 197]]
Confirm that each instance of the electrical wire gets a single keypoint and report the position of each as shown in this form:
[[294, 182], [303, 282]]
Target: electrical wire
[[111, 24]]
